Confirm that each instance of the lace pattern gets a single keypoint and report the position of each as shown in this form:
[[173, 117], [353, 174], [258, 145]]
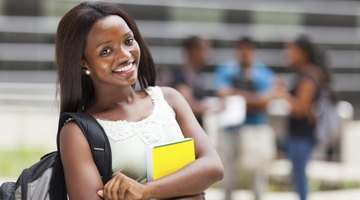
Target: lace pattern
[[150, 129]]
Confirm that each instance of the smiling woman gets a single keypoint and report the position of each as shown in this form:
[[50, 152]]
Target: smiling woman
[[100, 56]]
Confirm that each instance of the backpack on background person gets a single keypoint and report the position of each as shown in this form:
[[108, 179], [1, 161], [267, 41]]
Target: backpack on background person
[[328, 123], [45, 179]]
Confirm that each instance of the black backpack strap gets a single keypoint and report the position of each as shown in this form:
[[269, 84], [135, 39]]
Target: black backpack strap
[[97, 139]]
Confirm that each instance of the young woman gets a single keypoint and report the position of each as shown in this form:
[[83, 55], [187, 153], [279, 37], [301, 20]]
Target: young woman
[[311, 76], [101, 57]]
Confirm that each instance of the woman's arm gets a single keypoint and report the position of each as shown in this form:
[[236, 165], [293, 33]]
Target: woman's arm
[[198, 175], [301, 103], [81, 174]]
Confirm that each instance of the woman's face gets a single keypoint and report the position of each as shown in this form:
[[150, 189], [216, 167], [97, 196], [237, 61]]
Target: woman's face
[[295, 55], [111, 54]]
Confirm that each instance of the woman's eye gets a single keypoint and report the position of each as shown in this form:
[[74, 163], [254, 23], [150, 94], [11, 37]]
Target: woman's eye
[[129, 42], [105, 51]]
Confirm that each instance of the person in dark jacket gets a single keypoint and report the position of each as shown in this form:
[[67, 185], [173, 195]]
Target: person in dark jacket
[[187, 79]]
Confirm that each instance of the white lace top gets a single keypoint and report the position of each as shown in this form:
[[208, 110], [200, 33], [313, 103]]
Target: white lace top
[[129, 139]]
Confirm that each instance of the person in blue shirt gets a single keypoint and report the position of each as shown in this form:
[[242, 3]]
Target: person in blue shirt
[[251, 79], [255, 82]]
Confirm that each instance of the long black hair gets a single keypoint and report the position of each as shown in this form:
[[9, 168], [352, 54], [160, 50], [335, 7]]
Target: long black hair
[[315, 55], [318, 57], [76, 89]]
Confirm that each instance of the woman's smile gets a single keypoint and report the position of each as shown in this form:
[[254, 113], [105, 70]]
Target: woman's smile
[[126, 68]]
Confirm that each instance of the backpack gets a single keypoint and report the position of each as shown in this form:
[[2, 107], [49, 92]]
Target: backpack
[[45, 179], [328, 121], [327, 118]]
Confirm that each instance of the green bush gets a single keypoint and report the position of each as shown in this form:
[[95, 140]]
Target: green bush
[[12, 162]]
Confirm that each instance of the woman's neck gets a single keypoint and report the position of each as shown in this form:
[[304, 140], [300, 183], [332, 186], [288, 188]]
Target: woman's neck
[[302, 66], [111, 97], [193, 64]]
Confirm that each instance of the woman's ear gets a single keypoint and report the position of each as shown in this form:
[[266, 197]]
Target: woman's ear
[[84, 68]]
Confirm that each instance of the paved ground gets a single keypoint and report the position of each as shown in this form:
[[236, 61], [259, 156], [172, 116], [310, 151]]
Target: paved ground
[[217, 194]]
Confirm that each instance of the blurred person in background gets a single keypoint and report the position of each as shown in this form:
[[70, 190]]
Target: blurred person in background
[[311, 75], [255, 82], [186, 79]]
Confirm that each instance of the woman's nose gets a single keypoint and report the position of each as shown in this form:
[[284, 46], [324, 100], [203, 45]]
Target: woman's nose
[[124, 52]]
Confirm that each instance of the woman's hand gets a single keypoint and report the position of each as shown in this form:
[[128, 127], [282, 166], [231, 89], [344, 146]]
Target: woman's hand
[[121, 187]]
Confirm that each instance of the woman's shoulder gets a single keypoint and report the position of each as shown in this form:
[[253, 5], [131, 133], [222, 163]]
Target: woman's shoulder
[[313, 73], [167, 92], [170, 95], [71, 134]]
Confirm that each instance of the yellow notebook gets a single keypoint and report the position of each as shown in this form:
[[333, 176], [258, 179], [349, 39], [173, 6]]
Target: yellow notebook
[[164, 159]]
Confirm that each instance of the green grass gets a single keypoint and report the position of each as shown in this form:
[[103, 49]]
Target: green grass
[[318, 185], [12, 162]]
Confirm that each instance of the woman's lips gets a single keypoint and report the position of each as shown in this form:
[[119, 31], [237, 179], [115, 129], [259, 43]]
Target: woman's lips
[[125, 68]]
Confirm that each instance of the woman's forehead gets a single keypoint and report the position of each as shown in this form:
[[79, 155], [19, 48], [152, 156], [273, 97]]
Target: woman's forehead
[[109, 25], [110, 21]]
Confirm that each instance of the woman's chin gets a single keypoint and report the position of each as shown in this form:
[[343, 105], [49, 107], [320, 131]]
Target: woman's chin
[[129, 81], [132, 81]]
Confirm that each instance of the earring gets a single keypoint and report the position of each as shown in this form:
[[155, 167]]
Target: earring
[[87, 72]]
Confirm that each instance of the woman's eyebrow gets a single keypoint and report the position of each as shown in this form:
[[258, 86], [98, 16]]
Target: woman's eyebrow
[[108, 41], [129, 33]]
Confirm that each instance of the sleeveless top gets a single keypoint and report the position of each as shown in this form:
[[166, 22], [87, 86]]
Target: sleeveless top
[[301, 127], [129, 139]]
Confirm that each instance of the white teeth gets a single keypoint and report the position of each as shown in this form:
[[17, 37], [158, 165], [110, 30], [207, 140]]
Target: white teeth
[[124, 69]]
